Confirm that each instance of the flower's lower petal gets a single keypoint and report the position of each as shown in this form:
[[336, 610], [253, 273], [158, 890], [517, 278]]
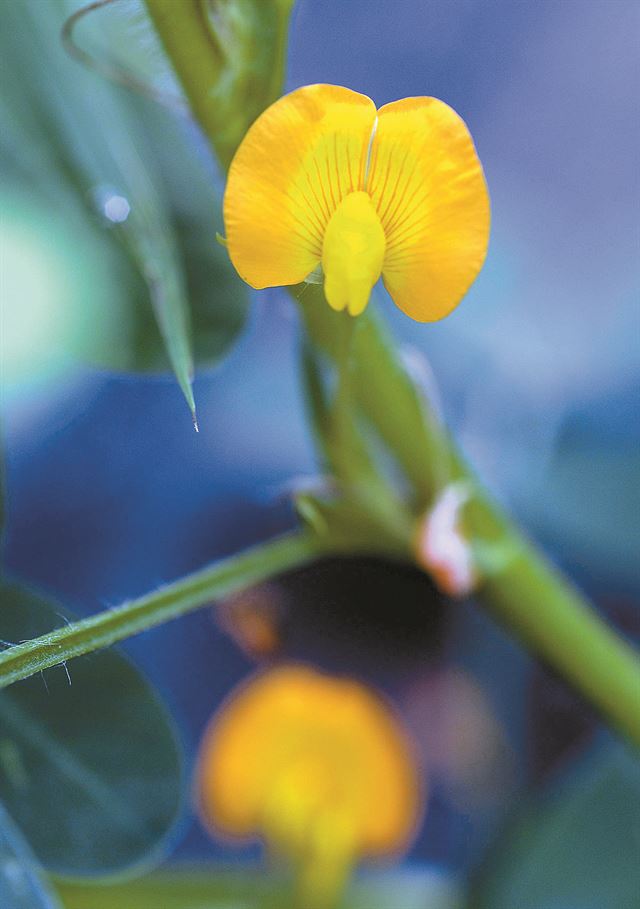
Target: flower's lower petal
[[300, 158], [427, 183]]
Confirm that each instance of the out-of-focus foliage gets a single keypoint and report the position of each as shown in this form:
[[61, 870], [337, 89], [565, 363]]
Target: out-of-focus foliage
[[21, 885], [89, 763], [90, 766], [125, 214], [576, 847]]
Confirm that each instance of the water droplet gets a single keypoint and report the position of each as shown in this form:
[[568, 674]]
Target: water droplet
[[116, 209]]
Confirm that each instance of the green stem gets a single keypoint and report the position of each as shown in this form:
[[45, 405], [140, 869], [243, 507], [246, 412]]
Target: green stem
[[342, 410], [184, 25], [388, 399], [191, 592], [550, 616]]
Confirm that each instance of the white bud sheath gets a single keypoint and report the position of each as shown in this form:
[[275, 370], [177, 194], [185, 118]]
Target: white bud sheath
[[441, 547]]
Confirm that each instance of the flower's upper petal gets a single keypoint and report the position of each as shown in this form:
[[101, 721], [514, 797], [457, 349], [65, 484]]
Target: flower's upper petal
[[300, 158], [429, 190]]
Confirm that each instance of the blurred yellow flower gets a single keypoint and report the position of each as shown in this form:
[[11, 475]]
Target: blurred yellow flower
[[322, 178], [318, 767]]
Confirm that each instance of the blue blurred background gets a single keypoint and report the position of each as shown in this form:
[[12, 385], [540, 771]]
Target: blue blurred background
[[110, 492]]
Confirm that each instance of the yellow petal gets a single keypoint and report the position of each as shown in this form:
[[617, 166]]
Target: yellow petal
[[352, 254], [300, 158], [427, 183]]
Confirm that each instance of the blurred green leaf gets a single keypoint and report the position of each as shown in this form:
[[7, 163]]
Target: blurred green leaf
[[578, 846], [134, 180], [90, 768], [21, 884], [2, 489]]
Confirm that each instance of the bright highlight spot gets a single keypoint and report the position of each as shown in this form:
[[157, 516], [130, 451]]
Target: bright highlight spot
[[59, 302], [116, 209], [32, 288]]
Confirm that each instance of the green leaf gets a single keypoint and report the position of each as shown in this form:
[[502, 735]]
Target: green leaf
[[21, 884], [576, 846], [137, 187], [90, 768]]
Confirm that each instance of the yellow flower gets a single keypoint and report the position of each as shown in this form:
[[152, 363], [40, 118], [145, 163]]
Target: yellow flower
[[322, 178], [318, 766]]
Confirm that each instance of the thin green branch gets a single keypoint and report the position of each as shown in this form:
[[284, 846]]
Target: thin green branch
[[218, 580]]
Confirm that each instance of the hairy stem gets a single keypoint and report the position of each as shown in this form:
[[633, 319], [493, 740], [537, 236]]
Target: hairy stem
[[218, 580]]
